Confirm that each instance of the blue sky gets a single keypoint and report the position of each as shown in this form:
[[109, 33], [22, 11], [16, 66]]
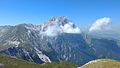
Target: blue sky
[[82, 12]]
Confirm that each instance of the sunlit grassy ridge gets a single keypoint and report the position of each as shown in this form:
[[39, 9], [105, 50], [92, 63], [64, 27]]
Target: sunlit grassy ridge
[[103, 63], [7, 62]]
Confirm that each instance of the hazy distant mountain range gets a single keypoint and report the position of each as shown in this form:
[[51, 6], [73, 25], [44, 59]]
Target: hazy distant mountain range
[[58, 39]]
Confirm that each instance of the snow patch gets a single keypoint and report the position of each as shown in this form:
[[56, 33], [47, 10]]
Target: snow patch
[[33, 27], [43, 57], [14, 43]]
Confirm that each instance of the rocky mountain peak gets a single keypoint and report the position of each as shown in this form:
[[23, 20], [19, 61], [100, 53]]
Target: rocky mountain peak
[[58, 25]]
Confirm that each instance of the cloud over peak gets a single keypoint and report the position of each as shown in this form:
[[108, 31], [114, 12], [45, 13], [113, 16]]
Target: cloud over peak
[[100, 24]]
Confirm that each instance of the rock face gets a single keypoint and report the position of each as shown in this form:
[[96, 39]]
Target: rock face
[[56, 40]]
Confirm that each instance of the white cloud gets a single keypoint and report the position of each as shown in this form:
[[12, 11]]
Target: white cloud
[[51, 31], [100, 24], [55, 29], [67, 28]]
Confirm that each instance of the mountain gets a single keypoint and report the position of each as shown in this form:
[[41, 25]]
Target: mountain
[[58, 39], [102, 63], [57, 25], [7, 62]]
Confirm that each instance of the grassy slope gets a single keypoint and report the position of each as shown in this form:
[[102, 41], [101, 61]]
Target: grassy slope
[[7, 62], [104, 63]]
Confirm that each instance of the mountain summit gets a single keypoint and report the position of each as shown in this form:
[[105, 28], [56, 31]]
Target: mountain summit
[[58, 25]]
